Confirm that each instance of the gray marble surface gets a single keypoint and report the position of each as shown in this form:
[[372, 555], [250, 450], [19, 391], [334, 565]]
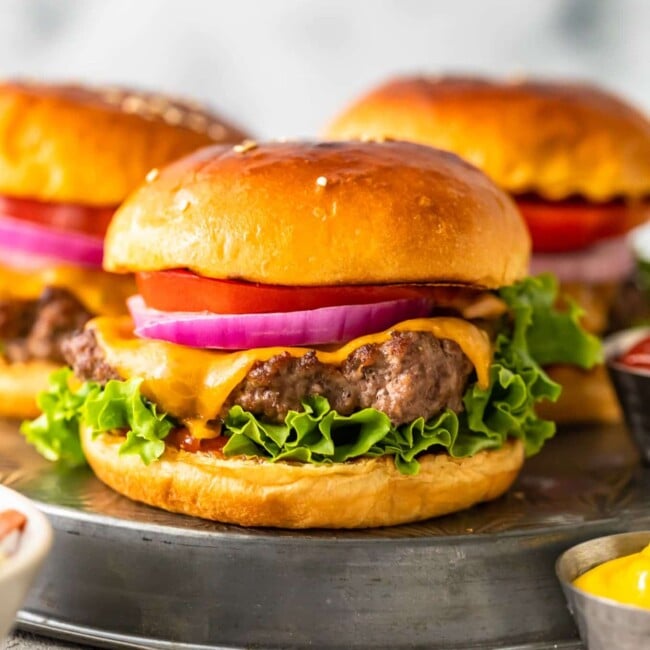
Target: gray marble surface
[[25, 641]]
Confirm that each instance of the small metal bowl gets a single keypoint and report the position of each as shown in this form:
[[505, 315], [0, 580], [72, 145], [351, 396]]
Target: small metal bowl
[[632, 386], [604, 624]]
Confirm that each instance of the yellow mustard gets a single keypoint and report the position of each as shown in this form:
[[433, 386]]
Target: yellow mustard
[[625, 579]]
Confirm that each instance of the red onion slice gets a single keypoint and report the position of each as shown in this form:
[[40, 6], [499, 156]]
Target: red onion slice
[[25, 261], [244, 331], [77, 248], [608, 261]]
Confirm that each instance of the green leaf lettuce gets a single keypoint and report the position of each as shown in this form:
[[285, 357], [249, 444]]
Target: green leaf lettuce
[[118, 406]]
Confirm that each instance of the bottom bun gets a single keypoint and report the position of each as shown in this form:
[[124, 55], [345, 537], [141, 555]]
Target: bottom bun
[[249, 492], [587, 396], [20, 383]]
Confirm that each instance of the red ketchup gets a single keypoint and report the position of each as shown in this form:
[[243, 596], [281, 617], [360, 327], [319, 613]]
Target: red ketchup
[[183, 439], [638, 356], [11, 520]]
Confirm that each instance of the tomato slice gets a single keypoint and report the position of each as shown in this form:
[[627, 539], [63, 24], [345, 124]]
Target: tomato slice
[[69, 217], [181, 290], [559, 226]]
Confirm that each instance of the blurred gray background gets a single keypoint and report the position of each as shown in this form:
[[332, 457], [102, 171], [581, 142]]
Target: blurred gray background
[[284, 67]]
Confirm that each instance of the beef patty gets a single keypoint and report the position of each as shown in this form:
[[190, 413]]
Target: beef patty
[[35, 329], [411, 375]]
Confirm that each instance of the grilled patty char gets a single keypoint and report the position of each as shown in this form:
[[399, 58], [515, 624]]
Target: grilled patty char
[[411, 375], [36, 329], [85, 356]]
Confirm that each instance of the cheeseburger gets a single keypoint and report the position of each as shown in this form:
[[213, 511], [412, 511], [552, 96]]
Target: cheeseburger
[[326, 335], [575, 159], [68, 157]]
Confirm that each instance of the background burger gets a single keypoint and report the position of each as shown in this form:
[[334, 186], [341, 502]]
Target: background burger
[[326, 335], [68, 157], [575, 159]]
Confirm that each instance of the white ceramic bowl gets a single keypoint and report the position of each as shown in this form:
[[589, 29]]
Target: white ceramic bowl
[[19, 570]]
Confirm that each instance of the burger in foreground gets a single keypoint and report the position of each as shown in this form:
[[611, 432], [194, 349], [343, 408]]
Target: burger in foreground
[[575, 159], [68, 157], [326, 335]]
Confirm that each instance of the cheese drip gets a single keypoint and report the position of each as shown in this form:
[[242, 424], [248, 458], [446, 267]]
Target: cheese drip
[[100, 292], [193, 384]]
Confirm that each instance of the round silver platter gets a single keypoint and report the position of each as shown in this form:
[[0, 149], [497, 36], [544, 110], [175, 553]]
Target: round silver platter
[[123, 574]]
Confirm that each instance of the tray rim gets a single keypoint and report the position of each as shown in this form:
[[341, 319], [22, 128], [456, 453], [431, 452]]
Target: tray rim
[[325, 536], [53, 628]]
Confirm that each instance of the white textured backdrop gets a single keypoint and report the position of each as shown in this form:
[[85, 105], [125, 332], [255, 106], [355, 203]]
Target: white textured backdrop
[[283, 67]]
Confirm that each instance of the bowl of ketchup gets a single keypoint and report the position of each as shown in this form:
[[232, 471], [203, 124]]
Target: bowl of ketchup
[[627, 355]]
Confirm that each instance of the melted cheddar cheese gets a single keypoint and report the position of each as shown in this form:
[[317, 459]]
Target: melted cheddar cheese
[[101, 293], [193, 384]]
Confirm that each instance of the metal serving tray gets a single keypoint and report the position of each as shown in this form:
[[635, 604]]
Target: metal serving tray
[[126, 574]]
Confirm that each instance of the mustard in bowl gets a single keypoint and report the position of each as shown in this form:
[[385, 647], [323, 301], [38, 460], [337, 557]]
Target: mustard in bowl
[[606, 582]]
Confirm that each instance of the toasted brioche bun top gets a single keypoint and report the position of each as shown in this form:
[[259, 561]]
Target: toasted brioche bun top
[[552, 139], [93, 146], [322, 214]]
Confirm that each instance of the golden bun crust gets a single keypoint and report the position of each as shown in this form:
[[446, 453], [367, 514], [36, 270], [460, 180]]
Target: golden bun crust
[[587, 396], [321, 214], [91, 145], [362, 494], [20, 383], [552, 138], [596, 301]]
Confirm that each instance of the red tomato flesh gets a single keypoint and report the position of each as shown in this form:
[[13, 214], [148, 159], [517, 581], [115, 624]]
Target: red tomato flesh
[[560, 226], [69, 217], [181, 290]]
